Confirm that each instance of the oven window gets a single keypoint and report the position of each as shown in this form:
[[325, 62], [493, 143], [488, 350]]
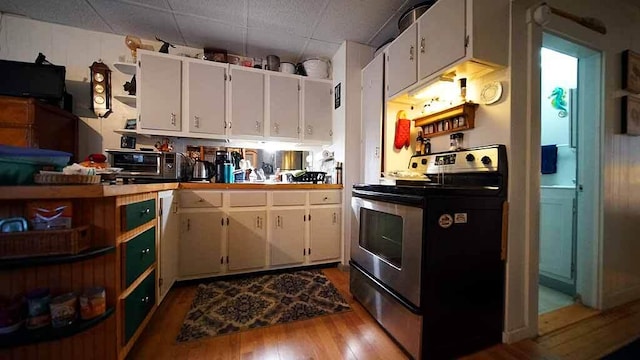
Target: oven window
[[143, 163], [381, 234]]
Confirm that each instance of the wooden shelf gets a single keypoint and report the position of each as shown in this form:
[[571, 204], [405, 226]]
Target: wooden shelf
[[445, 120], [55, 259], [25, 337], [129, 100], [125, 68]]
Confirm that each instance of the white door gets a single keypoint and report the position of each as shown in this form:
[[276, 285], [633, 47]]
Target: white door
[[317, 110], [372, 118], [206, 94], [247, 242], [200, 243], [556, 234], [324, 233], [169, 239], [441, 36], [160, 92], [401, 61], [284, 107], [287, 236], [247, 102]]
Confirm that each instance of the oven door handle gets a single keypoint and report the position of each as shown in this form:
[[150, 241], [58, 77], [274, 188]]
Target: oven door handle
[[390, 292], [411, 200]]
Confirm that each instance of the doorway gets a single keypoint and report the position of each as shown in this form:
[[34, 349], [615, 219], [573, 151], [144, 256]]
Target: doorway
[[570, 98]]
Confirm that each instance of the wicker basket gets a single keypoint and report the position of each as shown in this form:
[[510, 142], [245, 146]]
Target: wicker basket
[[44, 243], [316, 177], [66, 179]]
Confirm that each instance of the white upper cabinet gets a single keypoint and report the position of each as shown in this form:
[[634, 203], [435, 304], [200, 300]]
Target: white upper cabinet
[[401, 61], [441, 36], [205, 96], [159, 82], [284, 107], [372, 114], [317, 125], [247, 102]]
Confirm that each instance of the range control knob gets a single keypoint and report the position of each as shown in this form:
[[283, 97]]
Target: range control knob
[[486, 160], [424, 161], [414, 165], [470, 157]]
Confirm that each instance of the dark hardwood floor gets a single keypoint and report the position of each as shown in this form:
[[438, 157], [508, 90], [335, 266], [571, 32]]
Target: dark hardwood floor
[[355, 335]]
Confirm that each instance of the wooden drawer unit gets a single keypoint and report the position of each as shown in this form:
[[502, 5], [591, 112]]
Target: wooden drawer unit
[[253, 198], [325, 197], [138, 254], [136, 214], [199, 199], [138, 304], [289, 198]]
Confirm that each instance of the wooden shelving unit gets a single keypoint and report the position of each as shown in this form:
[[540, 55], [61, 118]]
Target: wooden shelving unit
[[448, 120], [55, 259]]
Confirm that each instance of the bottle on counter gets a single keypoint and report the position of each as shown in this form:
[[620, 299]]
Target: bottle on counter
[[426, 146], [338, 172], [419, 142]]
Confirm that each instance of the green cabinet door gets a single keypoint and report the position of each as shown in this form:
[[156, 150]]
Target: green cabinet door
[[138, 304], [139, 254], [137, 214]]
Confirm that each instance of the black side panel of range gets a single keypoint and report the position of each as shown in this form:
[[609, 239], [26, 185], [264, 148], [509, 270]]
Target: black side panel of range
[[463, 295]]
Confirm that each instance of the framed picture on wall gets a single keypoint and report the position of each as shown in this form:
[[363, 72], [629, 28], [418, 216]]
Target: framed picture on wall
[[631, 115], [631, 71]]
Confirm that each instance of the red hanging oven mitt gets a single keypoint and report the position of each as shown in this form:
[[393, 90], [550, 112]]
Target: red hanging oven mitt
[[403, 131]]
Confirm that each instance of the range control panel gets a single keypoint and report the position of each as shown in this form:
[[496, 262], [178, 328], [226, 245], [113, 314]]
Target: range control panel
[[472, 160]]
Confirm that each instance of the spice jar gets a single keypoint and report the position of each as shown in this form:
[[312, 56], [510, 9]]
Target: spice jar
[[455, 141]]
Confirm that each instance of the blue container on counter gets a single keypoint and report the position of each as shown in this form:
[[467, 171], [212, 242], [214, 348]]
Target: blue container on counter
[[228, 173]]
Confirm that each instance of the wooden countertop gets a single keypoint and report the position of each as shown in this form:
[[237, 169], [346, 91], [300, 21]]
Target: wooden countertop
[[96, 191]]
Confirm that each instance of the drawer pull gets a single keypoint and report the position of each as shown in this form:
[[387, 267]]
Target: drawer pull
[[325, 198], [146, 251], [145, 300], [145, 211]]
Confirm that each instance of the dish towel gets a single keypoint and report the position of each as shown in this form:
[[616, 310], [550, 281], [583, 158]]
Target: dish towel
[[549, 156]]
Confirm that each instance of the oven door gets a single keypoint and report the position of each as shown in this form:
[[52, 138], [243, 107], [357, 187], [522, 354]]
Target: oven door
[[386, 240], [137, 163]]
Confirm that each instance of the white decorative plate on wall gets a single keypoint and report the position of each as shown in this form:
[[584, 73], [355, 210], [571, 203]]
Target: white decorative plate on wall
[[491, 92]]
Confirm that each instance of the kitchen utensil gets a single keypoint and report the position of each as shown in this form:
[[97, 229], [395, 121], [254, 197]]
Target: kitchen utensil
[[287, 67], [316, 68], [414, 12], [203, 170], [273, 63]]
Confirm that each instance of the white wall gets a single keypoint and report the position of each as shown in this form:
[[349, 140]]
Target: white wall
[[620, 278], [347, 64], [21, 39]]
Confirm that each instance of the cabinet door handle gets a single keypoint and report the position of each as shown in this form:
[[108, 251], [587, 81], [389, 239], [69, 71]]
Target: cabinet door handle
[[221, 260], [197, 121], [334, 218], [276, 128], [309, 217], [230, 124], [309, 130], [225, 123], [173, 118], [221, 221], [188, 224], [411, 53], [257, 222], [422, 48], [227, 221], [257, 126]]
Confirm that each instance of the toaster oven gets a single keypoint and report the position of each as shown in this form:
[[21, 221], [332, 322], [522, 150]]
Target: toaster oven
[[147, 165]]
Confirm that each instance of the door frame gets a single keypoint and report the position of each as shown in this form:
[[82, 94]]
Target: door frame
[[573, 33]]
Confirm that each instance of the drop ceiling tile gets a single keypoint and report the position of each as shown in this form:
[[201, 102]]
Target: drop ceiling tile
[[76, 13], [261, 43], [288, 16], [143, 22], [388, 32], [354, 20], [200, 33], [317, 48], [227, 11], [7, 6], [160, 4]]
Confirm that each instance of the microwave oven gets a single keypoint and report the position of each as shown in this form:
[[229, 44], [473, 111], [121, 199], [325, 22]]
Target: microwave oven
[[147, 165]]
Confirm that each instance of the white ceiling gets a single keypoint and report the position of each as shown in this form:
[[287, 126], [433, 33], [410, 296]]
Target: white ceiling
[[292, 29]]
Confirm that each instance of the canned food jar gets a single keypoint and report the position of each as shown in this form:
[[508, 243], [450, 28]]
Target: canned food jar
[[63, 310], [93, 303], [38, 308]]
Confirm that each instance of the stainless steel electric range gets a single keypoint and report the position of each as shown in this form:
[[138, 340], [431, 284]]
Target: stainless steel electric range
[[428, 253]]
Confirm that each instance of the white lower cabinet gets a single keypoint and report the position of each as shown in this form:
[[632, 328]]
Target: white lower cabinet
[[200, 243], [287, 229], [324, 233], [247, 239], [245, 231], [169, 234]]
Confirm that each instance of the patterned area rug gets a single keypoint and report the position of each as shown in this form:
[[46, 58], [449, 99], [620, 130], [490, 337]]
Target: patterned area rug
[[223, 307]]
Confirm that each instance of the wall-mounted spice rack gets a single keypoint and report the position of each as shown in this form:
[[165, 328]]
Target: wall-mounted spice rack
[[457, 118]]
